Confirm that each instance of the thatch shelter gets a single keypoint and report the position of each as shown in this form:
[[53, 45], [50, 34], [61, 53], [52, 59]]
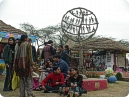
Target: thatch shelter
[[115, 52], [8, 28], [103, 44]]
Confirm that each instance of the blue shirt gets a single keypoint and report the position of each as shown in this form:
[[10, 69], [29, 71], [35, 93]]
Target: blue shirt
[[63, 66]]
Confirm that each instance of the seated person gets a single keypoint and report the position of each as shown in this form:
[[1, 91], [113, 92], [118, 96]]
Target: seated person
[[45, 69], [62, 64], [55, 80], [35, 80], [75, 83]]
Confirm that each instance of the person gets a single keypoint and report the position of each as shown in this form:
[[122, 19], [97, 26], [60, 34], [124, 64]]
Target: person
[[35, 81], [60, 48], [55, 79], [33, 52], [62, 64], [65, 55], [42, 54], [17, 40], [8, 56], [49, 50], [74, 63], [45, 69], [75, 83], [23, 62]]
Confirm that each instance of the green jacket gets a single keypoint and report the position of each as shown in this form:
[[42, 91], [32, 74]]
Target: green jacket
[[7, 54]]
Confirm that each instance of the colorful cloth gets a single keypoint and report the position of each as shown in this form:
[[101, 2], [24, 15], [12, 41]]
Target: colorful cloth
[[23, 59]]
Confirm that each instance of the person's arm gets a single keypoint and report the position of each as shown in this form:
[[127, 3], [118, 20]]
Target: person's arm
[[43, 83], [62, 66], [34, 75], [69, 82], [62, 79], [79, 83], [52, 50], [29, 54], [6, 54], [42, 55]]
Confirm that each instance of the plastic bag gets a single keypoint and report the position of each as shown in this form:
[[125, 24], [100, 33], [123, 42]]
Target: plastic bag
[[15, 81]]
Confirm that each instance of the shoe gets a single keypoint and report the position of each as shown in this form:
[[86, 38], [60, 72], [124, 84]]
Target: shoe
[[71, 93], [76, 94], [60, 90], [63, 90], [7, 90]]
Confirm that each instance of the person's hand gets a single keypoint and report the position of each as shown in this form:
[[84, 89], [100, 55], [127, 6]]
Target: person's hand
[[75, 85], [72, 85], [57, 83], [43, 88], [48, 69]]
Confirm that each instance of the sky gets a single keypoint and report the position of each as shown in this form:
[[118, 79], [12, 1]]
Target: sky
[[112, 15]]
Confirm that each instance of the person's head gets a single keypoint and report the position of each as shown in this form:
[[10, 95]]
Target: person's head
[[60, 47], [49, 61], [11, 41], [50, 42], [74, 71], [45, 43], [17, 40], [24, 38], [30, 40], [56, 70], [56, 57], [66, 47], [69, 71]]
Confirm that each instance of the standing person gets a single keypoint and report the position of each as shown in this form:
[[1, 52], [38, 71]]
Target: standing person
[[49, 50], [65, 55], [34, 55], [60, 48], [17, 41], [75, 83], [23, 63], [42, 54], [62, 64], [8, 56]]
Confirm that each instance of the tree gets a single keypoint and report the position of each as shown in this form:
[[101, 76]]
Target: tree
[[44, 34]]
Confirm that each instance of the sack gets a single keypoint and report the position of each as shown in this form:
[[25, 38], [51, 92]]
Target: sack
[[15, 81]]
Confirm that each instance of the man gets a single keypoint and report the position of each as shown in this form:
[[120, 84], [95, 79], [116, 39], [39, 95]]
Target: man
[[34, 55], [48, 51], [23, 63], [55, 79], [62, 64]]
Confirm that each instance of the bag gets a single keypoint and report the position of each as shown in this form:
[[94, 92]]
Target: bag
[[15, 81]]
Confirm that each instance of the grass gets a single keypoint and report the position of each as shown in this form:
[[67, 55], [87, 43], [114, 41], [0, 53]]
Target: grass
[[118, 89]]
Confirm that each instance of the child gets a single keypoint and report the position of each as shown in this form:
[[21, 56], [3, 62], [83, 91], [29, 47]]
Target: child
[[35, 81]]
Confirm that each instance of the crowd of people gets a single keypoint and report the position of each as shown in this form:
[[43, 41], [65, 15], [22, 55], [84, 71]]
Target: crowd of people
[[57, 72]]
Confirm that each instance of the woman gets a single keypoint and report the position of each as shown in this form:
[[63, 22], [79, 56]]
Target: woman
[[75, 83], [23, 62], [45, 69], [8, 56]]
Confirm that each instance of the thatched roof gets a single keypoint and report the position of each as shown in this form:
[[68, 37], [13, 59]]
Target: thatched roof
[[104, 43], [9, 28]]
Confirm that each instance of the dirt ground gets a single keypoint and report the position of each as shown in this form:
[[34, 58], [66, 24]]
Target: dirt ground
[[118, 89]]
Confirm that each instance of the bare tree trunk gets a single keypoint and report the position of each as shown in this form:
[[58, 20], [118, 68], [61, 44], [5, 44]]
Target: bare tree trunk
[[81, 59]]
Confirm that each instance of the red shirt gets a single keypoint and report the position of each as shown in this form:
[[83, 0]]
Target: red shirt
[[52, 78]]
